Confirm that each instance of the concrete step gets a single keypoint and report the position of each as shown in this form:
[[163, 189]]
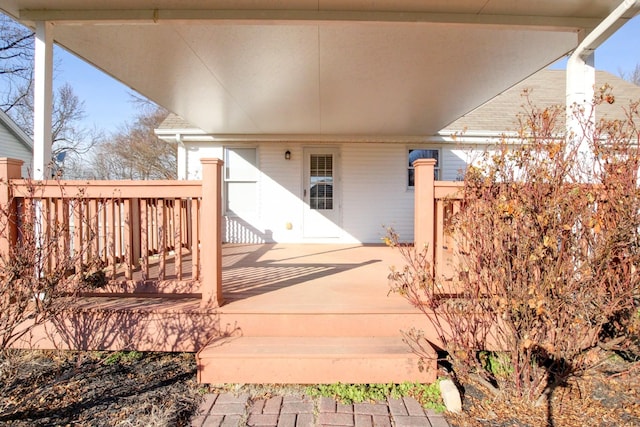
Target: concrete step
[[321, 324], [311, 360]]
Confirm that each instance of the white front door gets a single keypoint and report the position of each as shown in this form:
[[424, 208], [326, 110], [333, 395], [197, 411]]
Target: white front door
[[321, 193]]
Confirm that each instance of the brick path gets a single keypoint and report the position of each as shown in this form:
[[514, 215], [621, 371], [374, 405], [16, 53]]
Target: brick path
[[228, 410]]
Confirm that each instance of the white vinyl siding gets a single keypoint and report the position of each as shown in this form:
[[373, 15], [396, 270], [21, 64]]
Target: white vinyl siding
[[372, 184], [374, 192], [12, 148]]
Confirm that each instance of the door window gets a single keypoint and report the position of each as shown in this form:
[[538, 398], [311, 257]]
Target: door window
[[321, 182]]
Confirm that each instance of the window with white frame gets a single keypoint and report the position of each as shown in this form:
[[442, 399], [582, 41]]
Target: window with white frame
[[422, 153], [241, 180]]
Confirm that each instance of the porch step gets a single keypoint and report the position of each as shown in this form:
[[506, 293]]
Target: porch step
[[315, 324], [311, 360]]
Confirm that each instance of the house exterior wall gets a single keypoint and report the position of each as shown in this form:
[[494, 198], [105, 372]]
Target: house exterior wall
[[371, 191], [12, 148]]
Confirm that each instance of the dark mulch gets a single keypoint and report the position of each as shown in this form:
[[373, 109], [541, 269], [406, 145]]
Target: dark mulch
[[39, 388], [607, 396]]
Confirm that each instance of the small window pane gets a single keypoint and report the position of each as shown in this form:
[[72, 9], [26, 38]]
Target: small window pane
[[423, 154], [240, 164], [428, 153]]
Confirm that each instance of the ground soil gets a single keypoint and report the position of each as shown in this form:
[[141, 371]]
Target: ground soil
[[97, 389], [159, 389]]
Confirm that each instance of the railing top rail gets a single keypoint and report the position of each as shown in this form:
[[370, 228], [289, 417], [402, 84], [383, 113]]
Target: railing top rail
[[124, 189], [448, 189]]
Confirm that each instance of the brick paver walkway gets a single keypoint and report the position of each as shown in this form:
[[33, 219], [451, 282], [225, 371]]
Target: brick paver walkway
[[226, 410]]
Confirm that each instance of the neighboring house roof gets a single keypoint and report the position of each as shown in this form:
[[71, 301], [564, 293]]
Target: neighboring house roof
[[174, 122], [545, 88]]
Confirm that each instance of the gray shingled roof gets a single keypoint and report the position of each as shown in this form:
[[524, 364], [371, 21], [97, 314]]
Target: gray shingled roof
[[546, 88], [174, 121]]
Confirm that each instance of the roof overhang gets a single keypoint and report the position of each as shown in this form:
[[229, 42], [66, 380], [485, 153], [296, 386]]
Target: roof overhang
[[326, 67]]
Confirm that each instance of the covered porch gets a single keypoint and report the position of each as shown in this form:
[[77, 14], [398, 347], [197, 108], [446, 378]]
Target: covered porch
[[298, 313]]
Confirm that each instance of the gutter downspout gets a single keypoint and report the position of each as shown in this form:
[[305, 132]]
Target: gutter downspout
[[581, 71], [181, 158]]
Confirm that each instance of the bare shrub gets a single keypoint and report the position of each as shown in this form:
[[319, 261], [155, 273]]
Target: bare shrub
[[548, 246], [39, 273]]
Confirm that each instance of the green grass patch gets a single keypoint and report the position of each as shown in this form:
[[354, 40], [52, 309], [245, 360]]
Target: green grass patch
[[123, 357], [428, 395]]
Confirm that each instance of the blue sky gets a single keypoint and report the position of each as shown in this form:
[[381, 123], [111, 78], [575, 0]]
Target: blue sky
[[108, 106]]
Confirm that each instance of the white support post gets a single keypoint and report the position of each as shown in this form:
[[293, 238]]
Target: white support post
[[581, 79], [43, 100]]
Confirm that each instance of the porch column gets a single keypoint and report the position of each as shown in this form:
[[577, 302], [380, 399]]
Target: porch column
[[42, 100], [581, 73], [424, 206], [9, 169], [581, 79], [211, 233]]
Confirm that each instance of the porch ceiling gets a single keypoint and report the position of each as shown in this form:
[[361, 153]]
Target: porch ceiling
[[327, 67]]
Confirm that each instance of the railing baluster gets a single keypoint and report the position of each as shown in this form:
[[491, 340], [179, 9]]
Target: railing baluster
[[195, 238], [154, 227], [77, 234], [111, 239], [47, 238], [95, 226], [144, 237], [104, 230], [439, 237], [177, 242], [127, 244], [62, 229], [162, 238]]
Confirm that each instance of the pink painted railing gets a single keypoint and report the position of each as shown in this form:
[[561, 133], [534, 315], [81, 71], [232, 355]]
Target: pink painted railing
[[127, 226], [435, 204]]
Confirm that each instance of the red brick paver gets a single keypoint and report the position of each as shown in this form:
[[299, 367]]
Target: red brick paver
[[228, 410]]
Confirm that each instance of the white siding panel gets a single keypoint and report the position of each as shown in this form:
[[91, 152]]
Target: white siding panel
[[373, 190], [12, 148], [455, 161], [200, 150], [375, 193]]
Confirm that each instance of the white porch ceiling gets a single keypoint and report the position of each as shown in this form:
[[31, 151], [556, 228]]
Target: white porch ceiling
[[324, 67]]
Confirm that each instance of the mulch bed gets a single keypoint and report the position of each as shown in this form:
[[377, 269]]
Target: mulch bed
[[39, 388], [605, 397]]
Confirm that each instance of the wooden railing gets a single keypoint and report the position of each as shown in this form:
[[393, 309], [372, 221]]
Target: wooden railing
[[124, 226], [435, 204]]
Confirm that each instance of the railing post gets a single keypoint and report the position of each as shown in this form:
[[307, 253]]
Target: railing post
[[211, 235], [9, 169], [424, 207]]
